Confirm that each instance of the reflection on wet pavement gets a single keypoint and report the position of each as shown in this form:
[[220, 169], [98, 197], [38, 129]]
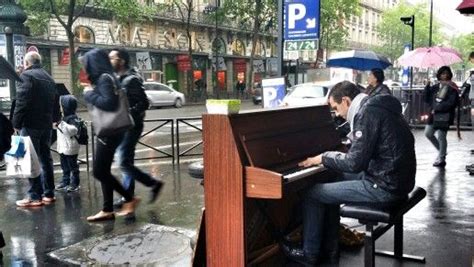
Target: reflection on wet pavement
[[440, 227]]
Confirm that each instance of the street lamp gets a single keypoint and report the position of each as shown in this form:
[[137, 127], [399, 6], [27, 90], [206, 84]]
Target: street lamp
[[431, 24], [410, 21]]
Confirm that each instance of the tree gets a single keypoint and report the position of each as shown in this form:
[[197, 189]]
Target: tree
[[66, 12], [394, 34], [255, 13], [334, 16], [465, 45], [185, 10]]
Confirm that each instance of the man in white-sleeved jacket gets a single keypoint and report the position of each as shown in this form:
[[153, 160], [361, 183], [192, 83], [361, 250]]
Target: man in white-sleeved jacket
[[68, 146]]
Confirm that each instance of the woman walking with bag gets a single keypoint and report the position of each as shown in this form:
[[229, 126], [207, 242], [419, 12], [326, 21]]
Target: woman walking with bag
[[105, 97], [442, 99]]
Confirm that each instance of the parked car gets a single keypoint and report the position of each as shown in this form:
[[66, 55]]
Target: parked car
[[161, 95], [314, 93]]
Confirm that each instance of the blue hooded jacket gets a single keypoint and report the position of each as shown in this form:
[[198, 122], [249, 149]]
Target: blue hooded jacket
[[100, 72], [69, 105]]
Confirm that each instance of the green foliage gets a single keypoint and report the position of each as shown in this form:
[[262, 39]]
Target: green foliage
[[127, 11], [334, 14], [248, 12], [464, 44], [394, 34]]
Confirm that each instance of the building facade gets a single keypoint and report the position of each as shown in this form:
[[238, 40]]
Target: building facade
[[363, 28], [159, 48]]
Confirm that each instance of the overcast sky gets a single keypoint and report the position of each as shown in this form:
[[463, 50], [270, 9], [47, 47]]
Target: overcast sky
[[445, 11]]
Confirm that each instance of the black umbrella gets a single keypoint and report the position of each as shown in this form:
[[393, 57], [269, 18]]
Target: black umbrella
[[7, 71]]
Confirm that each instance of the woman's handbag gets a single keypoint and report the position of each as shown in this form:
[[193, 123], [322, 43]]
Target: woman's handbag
[[441, 120], [107, 123]]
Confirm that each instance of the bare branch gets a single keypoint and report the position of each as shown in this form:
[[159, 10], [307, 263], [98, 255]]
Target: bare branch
[[81, 12], [56, 14]]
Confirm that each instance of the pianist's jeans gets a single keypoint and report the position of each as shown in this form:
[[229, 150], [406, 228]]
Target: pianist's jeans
[[321, 209]]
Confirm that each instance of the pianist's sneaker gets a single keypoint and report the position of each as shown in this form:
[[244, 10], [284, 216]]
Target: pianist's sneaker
[[297, 254]]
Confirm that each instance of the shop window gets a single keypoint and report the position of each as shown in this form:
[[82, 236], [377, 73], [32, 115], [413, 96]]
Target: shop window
[[84, 34], [238, 48]]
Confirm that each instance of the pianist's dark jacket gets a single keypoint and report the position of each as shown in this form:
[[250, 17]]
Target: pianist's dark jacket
[[383, 146]]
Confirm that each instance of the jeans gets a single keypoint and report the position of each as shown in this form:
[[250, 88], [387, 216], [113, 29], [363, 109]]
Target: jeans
[[126, 152], [321, 209], [43, 185], [104, 155], [439, 141], [70, 169]]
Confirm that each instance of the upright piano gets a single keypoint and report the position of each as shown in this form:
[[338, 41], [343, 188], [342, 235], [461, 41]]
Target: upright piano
[[253, 185]]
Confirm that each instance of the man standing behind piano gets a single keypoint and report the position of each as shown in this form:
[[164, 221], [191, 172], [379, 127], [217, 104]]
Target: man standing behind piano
[[379, 169]]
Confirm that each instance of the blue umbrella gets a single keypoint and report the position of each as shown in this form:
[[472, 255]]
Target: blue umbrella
[[358, 60]]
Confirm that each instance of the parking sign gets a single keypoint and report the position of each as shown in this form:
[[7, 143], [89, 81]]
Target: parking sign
[[302, 19]]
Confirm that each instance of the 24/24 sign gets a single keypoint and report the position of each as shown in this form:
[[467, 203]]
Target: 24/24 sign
[[301, 45], [302, 19]]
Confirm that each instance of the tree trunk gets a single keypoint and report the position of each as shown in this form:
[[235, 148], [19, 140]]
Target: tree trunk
[[190, 87], [74, 87], [256, 27]]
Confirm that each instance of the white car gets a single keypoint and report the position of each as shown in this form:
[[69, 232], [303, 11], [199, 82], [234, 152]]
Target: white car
[[160, 95], [314, 93]]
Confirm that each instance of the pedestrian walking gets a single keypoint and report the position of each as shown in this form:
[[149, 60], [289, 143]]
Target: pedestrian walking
[[132, 82], [442, 98], [103, 96], [240, 88], [470, 167], [33, 117], [68, 145]]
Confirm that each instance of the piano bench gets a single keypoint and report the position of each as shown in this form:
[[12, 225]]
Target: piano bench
[[372, 216]]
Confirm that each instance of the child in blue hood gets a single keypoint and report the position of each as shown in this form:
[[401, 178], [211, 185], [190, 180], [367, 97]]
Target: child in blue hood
[[68, 146]]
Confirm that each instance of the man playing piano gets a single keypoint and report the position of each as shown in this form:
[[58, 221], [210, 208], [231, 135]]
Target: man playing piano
[[379, 169]]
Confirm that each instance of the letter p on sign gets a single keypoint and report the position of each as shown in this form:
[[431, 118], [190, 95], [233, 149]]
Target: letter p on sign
[[295, 12]]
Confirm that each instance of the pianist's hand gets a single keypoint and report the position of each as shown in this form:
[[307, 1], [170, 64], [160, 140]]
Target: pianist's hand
[[311, 161]]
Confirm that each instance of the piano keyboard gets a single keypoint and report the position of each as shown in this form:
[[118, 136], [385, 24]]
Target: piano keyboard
[[293, 176]]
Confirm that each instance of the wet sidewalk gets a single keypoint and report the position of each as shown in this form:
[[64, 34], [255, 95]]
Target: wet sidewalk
[[440, 227]]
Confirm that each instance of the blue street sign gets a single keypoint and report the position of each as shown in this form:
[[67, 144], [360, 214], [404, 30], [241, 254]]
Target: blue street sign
[[405, 72], [302, 19]]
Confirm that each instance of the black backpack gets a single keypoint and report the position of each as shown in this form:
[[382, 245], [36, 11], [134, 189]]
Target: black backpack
[[6, 132], [82, 135]]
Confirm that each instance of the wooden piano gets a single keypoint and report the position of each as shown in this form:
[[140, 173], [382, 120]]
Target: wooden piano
[[252, 183]]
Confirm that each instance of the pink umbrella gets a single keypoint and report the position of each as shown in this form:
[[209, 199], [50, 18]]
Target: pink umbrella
[[430, 57]]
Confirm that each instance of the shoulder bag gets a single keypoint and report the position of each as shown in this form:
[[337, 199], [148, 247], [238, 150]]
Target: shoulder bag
[[441, 120], [107, 123]]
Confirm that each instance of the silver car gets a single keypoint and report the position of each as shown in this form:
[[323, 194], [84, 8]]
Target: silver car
[[160, 95], [314, 93]]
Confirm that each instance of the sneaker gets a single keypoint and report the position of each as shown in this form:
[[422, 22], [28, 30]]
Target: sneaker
[[119, 203], [297, 254], [155, 191], [29, 203], [61, 187], [72, 188], [48, 200], [439, 163]]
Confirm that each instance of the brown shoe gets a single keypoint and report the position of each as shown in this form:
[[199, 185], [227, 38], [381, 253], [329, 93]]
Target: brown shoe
[[29, 203], [128, 208], [101, 216], [48, 200]]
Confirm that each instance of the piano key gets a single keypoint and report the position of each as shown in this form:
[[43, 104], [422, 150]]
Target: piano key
[[303, 173]]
